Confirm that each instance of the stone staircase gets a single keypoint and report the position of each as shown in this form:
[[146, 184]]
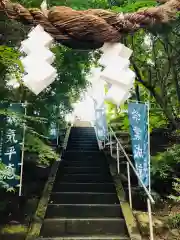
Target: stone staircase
[[84, 202]]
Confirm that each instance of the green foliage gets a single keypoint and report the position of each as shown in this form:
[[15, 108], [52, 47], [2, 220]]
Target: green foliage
[[157, 120], [34, 144], [133, 6], [155, 61], [11, 189], [155, 64], [3, 183], [55, 102], [164, 164], [176, 186], [120, 120], [2, 168], [174, 221], [143, 196], [79, 4], [10, 67], [76, 4], [1, 165], [9, 56]]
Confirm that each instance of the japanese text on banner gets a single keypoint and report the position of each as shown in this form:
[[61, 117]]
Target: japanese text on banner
[[138, 118], [11, 139], [100, 122]]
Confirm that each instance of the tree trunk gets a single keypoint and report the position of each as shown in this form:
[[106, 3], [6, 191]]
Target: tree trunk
[[167, 112], [137, 93], [171, 60]]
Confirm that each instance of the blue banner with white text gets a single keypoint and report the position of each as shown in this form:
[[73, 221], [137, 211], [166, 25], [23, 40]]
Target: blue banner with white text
[[101, 125], [100, 122], [53, 131], [138, 119]]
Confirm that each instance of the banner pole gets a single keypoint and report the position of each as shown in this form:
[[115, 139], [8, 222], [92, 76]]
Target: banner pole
[[149, 148], [22, 154], [149, 168], [57, 134]]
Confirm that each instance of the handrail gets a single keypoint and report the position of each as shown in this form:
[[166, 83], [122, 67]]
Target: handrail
[[132, 166]]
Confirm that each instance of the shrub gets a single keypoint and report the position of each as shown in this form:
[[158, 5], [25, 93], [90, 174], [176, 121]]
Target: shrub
[[174, 221], [45, 153], [165, 164], [164, 169], [176, 187]]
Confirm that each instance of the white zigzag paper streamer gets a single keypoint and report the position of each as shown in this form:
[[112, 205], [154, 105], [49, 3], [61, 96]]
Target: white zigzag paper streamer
[[116, 73], [37, 63]]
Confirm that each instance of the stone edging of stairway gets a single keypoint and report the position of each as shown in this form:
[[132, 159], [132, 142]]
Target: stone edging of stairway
[[130, 220], [37, 221]]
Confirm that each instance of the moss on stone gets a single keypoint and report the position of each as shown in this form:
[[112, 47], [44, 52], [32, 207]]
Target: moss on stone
[[159, 223], [14, 229]]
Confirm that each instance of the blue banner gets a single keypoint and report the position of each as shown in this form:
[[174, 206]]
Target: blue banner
[[10, 142], [101, 126], [138, 118], [100, 122], [53, 131]]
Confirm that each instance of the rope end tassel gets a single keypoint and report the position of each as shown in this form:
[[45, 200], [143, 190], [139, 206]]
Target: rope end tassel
[[90, 29]]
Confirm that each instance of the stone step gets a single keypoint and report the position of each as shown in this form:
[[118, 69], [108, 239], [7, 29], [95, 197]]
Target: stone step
[[14, 236], [86, 134], [77, 163], [82, 133], [88, 178], [83, 187], [83, 130], [89, 136], [83, 211], [74, 157], [84, 145], [83, 203], [85, 151], [99, 237], [84, 170], [91, 140], [87, 154], [83, 198], [82, 148], [86, 140], [84, 226]]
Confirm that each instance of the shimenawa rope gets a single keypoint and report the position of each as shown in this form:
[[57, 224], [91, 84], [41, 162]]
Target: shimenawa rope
[[90, 28]]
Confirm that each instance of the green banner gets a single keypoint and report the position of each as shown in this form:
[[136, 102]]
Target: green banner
[[11, 135]]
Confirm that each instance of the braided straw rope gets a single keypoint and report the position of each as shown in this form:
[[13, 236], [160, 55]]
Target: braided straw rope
[[90, 28]]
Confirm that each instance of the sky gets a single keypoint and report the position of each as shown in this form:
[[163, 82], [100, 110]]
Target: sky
[[84, 109]]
